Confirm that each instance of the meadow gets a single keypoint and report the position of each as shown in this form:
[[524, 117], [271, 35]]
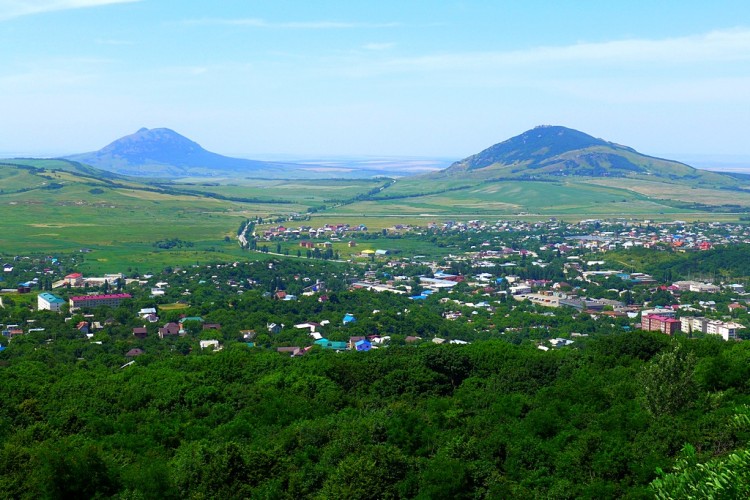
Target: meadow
[[49, 206]]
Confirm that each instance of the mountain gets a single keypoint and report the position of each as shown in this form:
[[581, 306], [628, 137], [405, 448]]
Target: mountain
[[161, 152], [554, 151]]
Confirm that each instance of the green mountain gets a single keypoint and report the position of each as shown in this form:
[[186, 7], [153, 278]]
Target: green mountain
[[554, 151]]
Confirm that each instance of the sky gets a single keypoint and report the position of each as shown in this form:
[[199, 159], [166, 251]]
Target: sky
[[415, 78]]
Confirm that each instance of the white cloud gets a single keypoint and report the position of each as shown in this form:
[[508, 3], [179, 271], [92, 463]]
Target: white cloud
[[712, 47], [16, 8], [312, 25]]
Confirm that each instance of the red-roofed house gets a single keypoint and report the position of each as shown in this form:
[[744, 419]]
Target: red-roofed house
[[74, 279]]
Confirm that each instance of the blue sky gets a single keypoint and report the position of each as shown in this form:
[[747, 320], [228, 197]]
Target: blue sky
[[417, 78]]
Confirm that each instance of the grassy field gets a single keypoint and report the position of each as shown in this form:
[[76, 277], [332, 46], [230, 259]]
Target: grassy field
[[515, 197], [120, 220], [119, 225], [305, 193]]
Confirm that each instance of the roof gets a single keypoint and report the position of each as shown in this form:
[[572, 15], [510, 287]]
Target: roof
[[191, 318], [52, 299], [102, 297]]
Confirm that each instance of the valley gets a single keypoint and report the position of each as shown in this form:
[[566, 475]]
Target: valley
[[450, 333]]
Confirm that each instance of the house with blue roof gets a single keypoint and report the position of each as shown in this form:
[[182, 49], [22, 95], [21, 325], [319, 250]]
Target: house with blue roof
[[363, 345], [331, 344], [349, 318]]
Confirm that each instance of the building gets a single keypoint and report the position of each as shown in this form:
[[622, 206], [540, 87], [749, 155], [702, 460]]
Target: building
[[48, 302], [113, 300], [74, 279], [727, 331], [656, 323]]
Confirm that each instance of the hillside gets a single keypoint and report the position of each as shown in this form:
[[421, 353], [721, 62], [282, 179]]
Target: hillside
[[554, 151], [163, 153]]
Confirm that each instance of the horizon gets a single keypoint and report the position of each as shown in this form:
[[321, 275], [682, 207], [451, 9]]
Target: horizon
[[336, 78]]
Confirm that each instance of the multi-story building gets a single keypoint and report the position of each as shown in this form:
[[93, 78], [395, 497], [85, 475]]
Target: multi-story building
[[48, 302], [656, 323], [113, 300]]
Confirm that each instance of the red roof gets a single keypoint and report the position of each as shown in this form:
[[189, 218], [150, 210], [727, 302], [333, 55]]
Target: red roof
[[103, 297], [74, 276]]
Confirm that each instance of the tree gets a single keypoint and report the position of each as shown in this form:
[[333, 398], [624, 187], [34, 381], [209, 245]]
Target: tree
[[667, 382]]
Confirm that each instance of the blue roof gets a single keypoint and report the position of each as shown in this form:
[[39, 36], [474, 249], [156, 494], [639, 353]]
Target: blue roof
[[52, 299], [349, 318], [418, 297], [329, 344], [363, 345], [2, 348]]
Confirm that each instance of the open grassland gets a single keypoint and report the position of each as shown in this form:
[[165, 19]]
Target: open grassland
[[119, 225], [514, 197], [13, 179], [673, 191], [305, 193]]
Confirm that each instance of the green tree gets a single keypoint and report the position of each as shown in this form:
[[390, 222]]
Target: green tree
[[667, 382]]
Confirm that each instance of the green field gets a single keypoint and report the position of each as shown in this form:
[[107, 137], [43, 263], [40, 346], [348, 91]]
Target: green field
[[58, 206], [305, 193]]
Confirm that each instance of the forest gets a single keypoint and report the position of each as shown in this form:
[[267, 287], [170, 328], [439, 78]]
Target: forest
[[486, 420]]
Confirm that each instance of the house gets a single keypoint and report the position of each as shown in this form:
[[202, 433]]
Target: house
[[280, 295], [333, 345], [560, 342], [289, 350], [349, 318], [83, 327], [309, 325], [12, 331], [146, 311], [736, 307], [411, 338], [73, 279], [247, 335], [190, 318], [133, 353], [353, 342], [212, 326], [363, 345], [7, 268], [274, 328], [169, 329], [140, 332], [48, 302], [213, 344]]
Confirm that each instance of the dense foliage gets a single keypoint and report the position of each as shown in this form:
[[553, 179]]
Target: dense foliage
[[486, 420]]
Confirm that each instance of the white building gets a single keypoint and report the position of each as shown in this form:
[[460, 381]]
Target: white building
[[48, 302]]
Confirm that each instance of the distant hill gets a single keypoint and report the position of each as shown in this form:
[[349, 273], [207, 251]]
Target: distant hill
[[163, 153], [554, 151]]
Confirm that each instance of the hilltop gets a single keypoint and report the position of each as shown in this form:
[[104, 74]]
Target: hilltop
[[162, 152], [555, 151]]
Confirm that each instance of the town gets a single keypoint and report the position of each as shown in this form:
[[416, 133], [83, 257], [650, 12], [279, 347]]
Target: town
[[550, 283]]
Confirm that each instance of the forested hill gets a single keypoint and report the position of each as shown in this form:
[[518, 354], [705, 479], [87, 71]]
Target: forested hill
[[487, 420]]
